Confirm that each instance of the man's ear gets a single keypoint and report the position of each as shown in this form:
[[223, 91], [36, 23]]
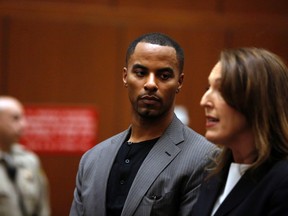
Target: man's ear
[[180, 82], [125, 76]]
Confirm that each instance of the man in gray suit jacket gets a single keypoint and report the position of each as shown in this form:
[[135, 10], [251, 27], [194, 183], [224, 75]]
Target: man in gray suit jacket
[[156, 165]]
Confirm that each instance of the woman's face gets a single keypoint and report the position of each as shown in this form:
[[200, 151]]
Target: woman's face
[[224, 124]]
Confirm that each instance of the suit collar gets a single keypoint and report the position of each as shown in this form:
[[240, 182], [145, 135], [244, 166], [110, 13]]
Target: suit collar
[[209, 193], [215, 185], [101, 177], [162, 153], [237, 195], [245, 185]]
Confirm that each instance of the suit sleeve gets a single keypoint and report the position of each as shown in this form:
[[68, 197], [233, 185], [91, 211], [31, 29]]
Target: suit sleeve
[[77, 205], [192, 189]]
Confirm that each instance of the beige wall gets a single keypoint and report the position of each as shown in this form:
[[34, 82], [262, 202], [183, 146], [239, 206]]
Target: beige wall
[[72, 52]]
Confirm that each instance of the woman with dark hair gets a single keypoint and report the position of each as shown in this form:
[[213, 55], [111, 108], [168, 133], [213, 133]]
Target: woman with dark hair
[[246, 109]]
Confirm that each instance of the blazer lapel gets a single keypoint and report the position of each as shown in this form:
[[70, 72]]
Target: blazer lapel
[[163, 152], [209, 192], [237, 195], [242, 189], [101, 176]]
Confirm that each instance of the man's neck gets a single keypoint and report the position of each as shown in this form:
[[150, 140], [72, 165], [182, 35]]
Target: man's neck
[[146, 129]]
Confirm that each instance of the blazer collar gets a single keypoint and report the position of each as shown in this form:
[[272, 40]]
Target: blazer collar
[[215, 185], [210, 190], [237, 195], [162, 153], [245, 185], [110, 150]]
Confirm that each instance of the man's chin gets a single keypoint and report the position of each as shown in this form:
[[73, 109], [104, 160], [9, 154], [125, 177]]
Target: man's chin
[[149, 114]]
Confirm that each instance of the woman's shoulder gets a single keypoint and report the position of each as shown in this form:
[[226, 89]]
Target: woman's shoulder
[[280, 168]]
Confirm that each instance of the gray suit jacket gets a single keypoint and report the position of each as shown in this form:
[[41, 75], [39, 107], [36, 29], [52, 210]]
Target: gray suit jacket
[[166, 184]]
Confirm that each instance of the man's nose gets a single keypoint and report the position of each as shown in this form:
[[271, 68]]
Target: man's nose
[[151, 83]]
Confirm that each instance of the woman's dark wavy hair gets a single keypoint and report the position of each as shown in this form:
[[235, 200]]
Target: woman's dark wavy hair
[[255, 83], [159, 39]]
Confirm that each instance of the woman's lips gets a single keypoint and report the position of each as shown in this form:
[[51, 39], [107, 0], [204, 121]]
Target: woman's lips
[[211, 121]]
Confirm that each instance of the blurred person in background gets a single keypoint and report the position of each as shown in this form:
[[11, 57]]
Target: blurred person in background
[[246, 108], [155, 166], [23, 184]]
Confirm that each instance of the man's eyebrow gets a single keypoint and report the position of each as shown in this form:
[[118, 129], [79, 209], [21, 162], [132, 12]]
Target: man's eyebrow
[[166, 69], [136, 66], [160, 70]]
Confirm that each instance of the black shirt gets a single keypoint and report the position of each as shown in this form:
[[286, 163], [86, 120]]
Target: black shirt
[[127, 163]]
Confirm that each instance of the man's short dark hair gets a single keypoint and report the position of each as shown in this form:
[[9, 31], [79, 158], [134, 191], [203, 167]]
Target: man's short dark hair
[[159, 39]]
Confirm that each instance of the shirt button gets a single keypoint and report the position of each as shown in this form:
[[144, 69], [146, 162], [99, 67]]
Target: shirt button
[[127, 161], [122, 182]]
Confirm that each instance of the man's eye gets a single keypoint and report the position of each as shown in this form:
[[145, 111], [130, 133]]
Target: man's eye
[[140, 73], [165, 76]]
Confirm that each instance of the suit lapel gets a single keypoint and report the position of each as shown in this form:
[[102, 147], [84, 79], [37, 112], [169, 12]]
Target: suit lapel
[[101, 176], [237, 195], [163, 152], [210, 190], [242, 189]]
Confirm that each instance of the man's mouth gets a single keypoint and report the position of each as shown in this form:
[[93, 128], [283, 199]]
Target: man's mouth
[[150, 97]]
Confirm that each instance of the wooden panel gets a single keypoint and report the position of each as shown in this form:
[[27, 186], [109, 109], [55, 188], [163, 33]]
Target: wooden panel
[[274, 40], [4, 27], [201, 51], [209, 5], [61, 172], [100, 2], [256, 6], [64, 63]]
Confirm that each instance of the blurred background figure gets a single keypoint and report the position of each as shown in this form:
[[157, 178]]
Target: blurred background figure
[[23, 184]]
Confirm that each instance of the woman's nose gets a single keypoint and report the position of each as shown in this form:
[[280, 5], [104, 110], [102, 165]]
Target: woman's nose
[[204, 100]]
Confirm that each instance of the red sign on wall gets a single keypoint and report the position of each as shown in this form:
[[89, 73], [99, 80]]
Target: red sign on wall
[[59, 129]]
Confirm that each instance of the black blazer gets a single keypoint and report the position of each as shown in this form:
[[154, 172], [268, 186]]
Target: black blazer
[[263, 193]]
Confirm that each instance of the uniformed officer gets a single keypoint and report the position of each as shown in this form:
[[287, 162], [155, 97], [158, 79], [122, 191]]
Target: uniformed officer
[[23, 184]]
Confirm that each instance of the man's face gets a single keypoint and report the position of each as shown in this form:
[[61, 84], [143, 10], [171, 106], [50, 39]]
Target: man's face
[[12, 123], [152, 78]]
